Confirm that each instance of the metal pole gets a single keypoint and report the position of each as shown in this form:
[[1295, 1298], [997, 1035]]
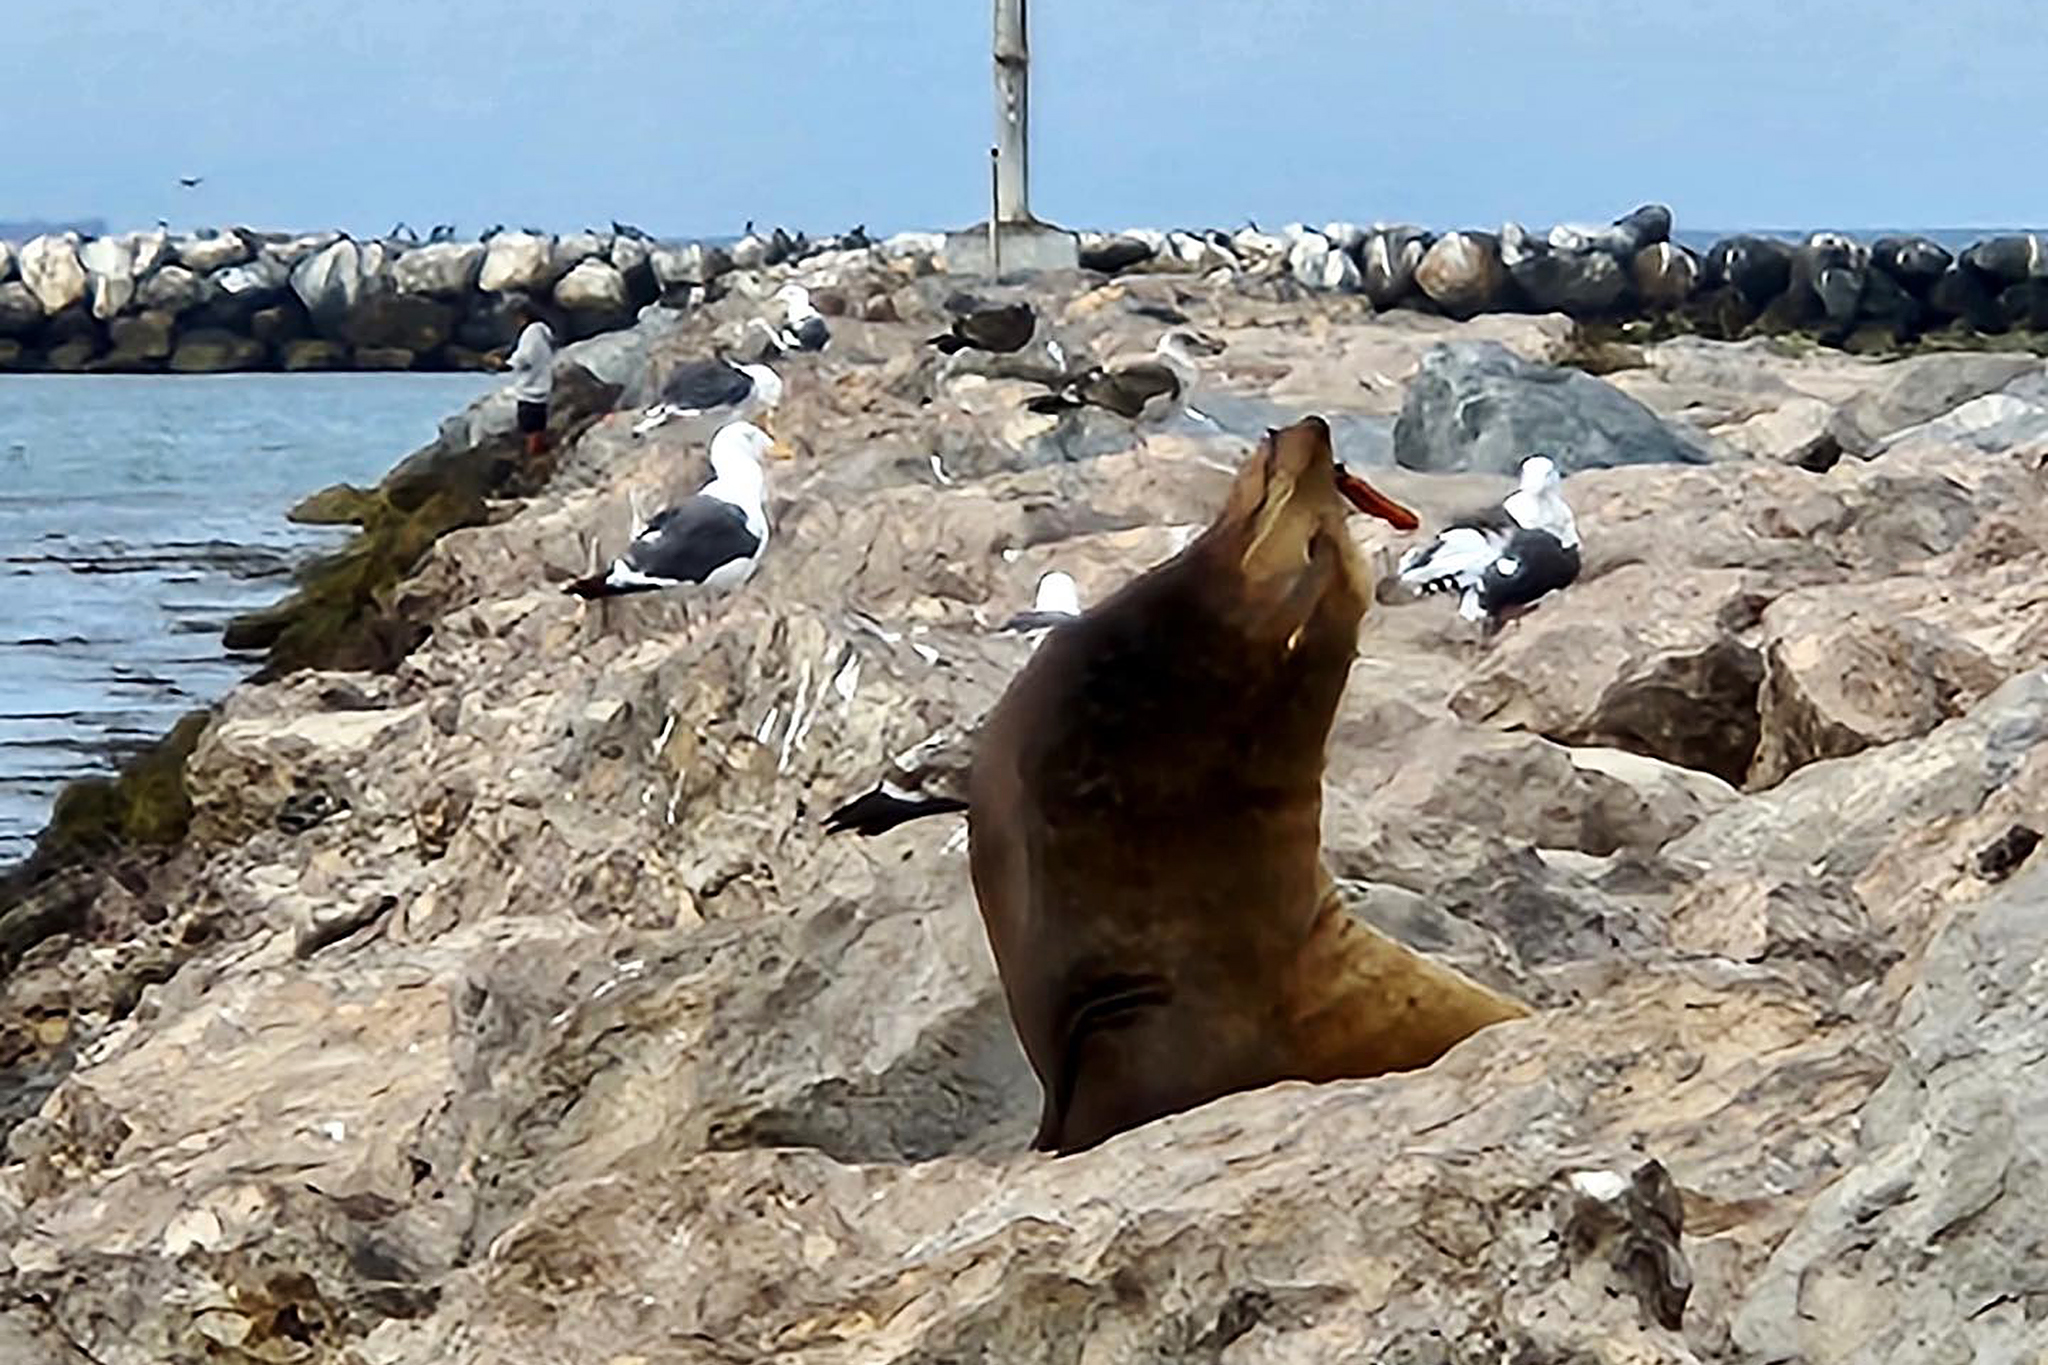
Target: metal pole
[[995, 204], [1013, 113]]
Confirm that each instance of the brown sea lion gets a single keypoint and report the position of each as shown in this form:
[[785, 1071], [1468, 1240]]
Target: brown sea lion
[[1144, 820]]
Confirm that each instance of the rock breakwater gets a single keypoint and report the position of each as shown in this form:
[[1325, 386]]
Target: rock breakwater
[[240, 299], [502, 998]]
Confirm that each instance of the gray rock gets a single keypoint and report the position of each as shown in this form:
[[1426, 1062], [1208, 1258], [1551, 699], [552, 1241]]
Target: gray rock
[[1462, 273], [1478, 406], [442, 270], [516, 261], [593, 286], [572, 249], [21, 312], [1922, 388], [289, 251], [409, 322], [693, 265], [6, 261], [172, 289], [141, 336], [51, 268], [332, 282], [213, 350], [204, 255], [110, 266]]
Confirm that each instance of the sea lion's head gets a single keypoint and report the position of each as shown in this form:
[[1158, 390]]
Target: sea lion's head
[[1283, 525]]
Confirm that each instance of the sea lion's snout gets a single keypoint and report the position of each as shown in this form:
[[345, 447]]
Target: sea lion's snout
[[1374, 503]]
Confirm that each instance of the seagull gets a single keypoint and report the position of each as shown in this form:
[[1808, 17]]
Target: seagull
[[1001, 329], [803, 328], [1148, 391], [929, 778], [696, 387], [1503, 560], [191, 182], [712, 540], [1057, 602]]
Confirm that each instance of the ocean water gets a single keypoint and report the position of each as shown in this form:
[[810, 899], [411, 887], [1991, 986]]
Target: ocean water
[[137, 514]]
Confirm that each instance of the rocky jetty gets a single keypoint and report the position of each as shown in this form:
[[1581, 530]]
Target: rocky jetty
[[496, 995], [239, 299]]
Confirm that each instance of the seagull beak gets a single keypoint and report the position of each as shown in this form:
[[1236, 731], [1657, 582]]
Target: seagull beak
[[1374, 503], [780, 450]]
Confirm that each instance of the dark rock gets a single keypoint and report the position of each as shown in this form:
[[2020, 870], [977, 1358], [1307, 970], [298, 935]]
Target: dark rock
[[1915, 263], [411, 322], [1627, 235], [1387, 261], [315, 353], [383, 358], [141, 336], [282, 322], [1961, 293], [1665, 275], [1828, 275], [492, 325], [1887, 302], [212, 350], [1756, 268], [1577, 283], [2025, 305], [72, 356], [1998, 859], [21, 312], [1116, 254], [1477, 406], [2007, 260], [235, 295]]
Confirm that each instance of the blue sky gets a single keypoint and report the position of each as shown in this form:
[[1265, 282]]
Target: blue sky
[[687, 117]]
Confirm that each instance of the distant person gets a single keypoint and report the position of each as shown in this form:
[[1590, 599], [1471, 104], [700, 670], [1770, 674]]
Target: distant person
[[532, 363]]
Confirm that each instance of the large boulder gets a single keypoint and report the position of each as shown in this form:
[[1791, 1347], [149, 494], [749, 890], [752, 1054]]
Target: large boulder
[[410, 322], [1755, 269], [51, 269], [441, 270], [1388, 260], [139, 338], [1637, 659], [1477, 406], [6, 261], [204, 255], [572, 249], [1583, 283], [516, 261], [1921, 388], [110, 265], [21, 312], [238, 293], [1461, 273], [332, 283], [592, 286], [1665, 275], [212, 350], [683, 267], [172, 289], [1848, 667]]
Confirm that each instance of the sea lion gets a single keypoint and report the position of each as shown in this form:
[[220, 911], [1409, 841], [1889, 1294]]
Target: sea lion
[[1145, 807]]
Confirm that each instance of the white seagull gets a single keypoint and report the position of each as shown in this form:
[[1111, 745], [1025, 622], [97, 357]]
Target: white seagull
[[803, 327], [697, 388], [711, 541]]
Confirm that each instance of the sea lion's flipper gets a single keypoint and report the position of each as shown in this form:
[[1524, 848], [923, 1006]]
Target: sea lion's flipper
[[1364, 1004]]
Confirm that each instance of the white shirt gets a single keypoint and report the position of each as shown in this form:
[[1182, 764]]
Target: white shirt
[[533, 363]]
